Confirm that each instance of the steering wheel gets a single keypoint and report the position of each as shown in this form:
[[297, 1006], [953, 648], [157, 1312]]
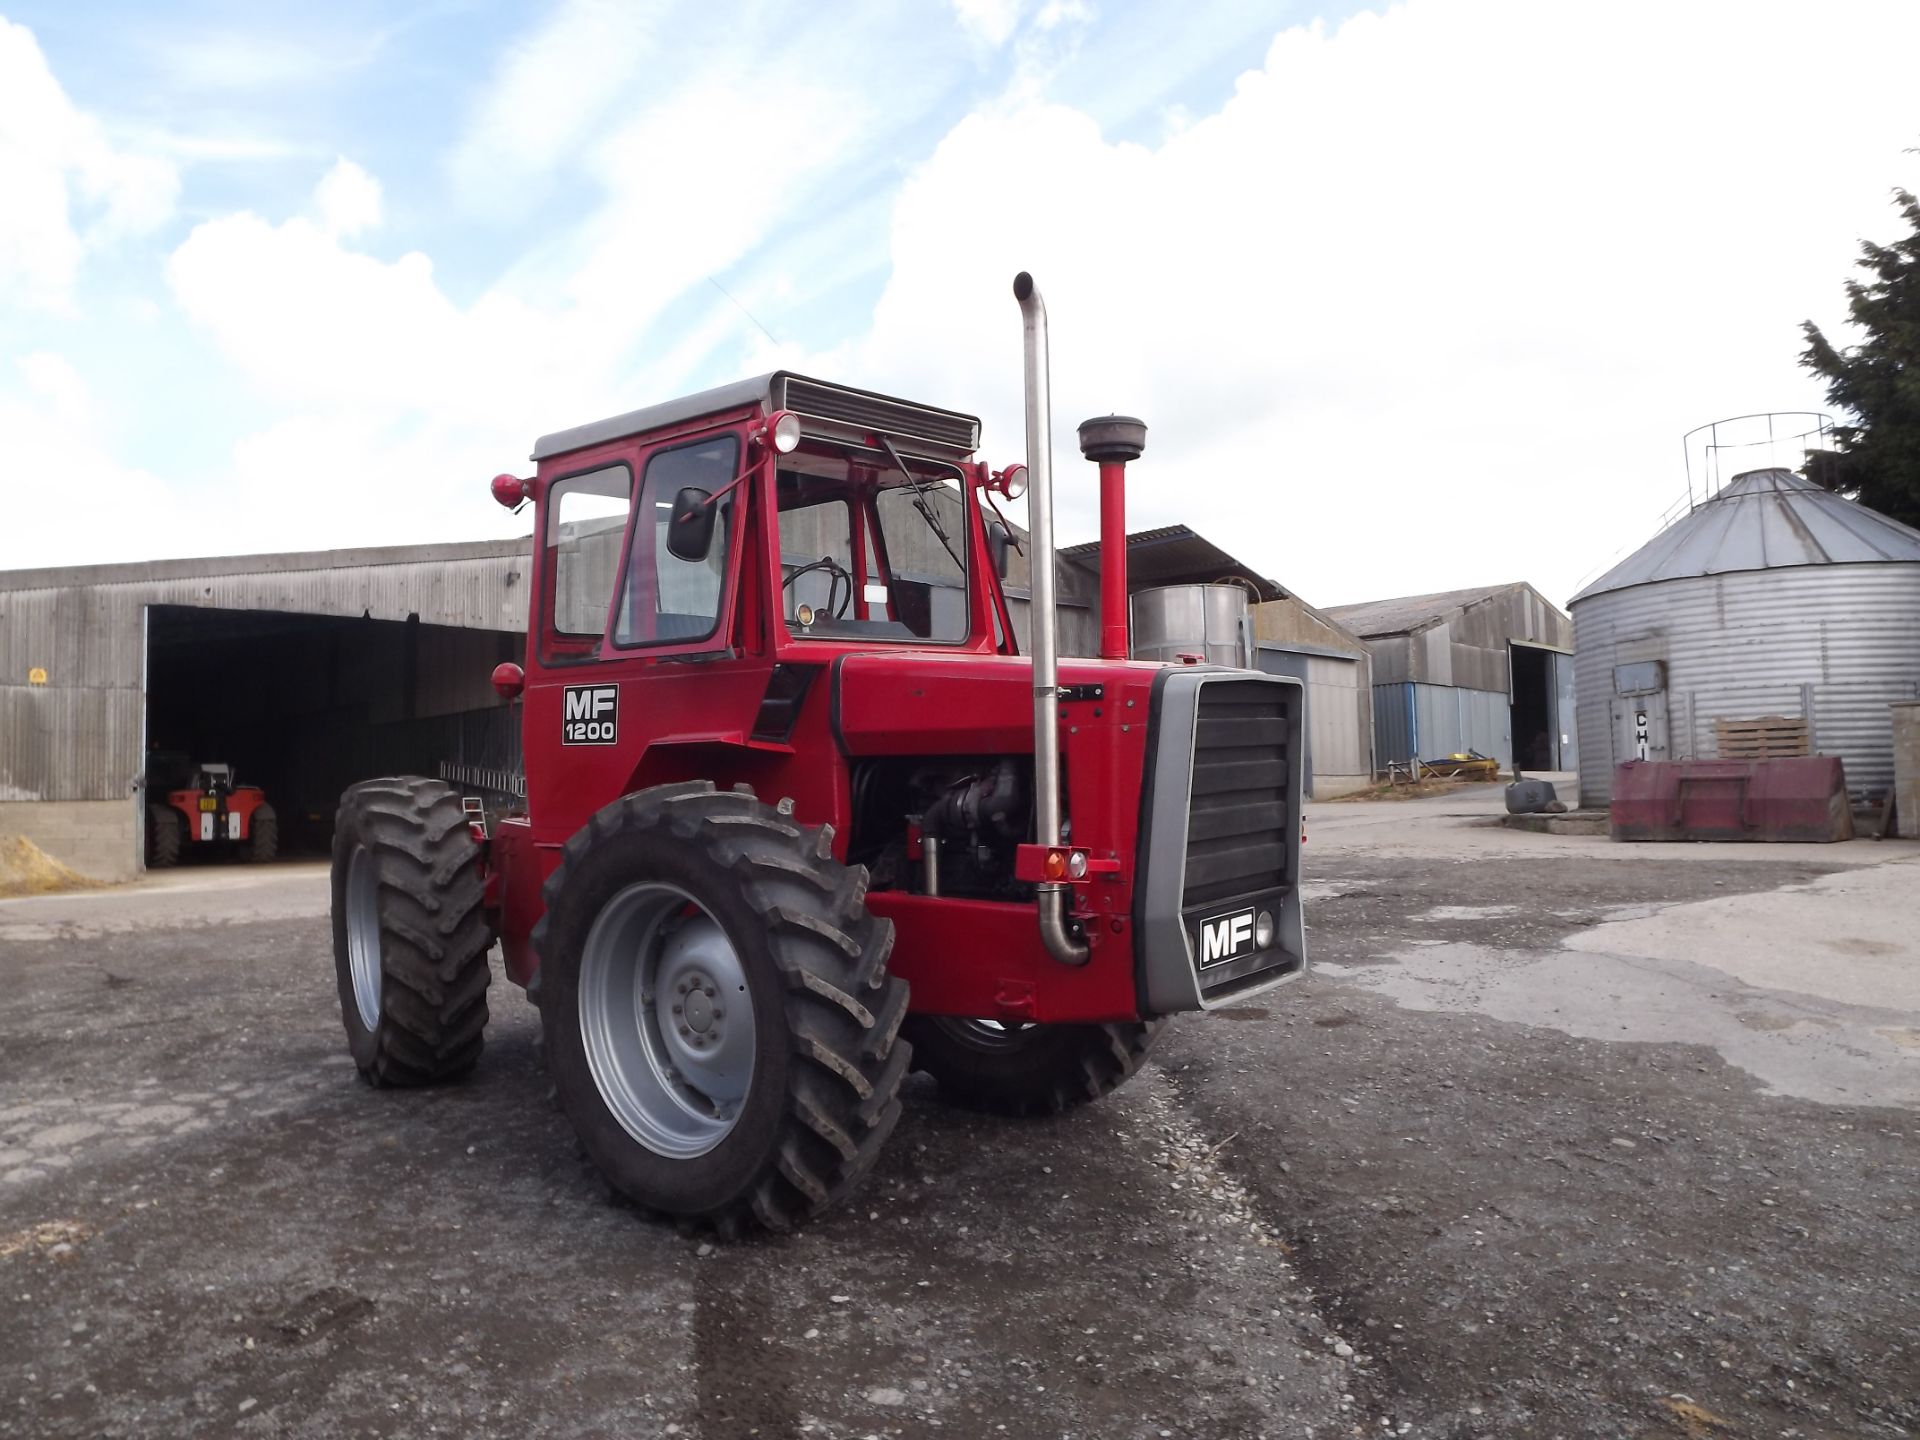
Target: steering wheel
[[838, 573]]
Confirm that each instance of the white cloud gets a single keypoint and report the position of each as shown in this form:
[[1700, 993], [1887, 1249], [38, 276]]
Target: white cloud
[[552, 91], [1430, 300], [1426, 303], [677, 209], [73, 502], [348, 199], [304, 52], [63, 187], [991, 21]]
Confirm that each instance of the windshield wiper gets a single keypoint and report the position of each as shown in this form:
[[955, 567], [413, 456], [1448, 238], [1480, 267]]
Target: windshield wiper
[[920, 489]]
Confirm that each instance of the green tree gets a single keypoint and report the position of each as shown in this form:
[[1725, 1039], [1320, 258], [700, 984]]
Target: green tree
[[1877, 460]]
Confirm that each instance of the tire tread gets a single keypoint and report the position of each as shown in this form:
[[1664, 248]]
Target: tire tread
[[843, 1010], [435, 935]]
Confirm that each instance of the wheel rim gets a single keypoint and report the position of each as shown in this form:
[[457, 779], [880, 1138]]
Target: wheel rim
[[666, 1020], [363, 933], [986, 1034]]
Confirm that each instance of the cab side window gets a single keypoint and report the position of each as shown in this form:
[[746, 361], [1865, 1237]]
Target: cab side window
[[586, 517], [667, 599]]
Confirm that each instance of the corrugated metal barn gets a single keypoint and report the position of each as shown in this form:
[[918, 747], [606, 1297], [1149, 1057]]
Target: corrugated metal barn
[[304, 672], [1487, 670], [1774, 611]]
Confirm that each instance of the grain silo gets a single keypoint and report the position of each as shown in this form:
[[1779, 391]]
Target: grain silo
[[1774, 618]]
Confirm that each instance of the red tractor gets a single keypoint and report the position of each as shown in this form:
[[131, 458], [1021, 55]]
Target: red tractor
[[207, 811], [800, 816]]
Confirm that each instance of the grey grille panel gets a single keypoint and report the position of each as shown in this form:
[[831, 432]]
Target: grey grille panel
[[1239, 814], [1220, 834], [896, 419]]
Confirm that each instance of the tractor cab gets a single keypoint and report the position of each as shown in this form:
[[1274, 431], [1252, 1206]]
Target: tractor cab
[[756, 525]]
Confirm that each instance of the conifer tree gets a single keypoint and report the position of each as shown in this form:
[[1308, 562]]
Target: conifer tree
[[1877, 382]]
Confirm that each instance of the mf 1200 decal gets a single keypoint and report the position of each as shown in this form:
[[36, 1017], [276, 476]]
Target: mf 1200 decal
[[591, 715]]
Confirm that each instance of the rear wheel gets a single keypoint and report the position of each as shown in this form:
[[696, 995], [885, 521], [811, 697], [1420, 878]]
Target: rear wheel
[[166, 831], [263, 834], [1028, 1069], [717, 1011], [410, 939]]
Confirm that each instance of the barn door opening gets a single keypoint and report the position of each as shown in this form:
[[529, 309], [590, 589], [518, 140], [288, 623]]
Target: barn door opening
[[301, 706], [1534, 705]]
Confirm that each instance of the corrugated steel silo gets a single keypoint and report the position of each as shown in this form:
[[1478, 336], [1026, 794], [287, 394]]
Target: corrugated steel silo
[[1773, 605]]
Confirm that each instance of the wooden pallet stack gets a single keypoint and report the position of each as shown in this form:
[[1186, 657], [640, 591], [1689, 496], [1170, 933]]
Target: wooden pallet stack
[[1768, 737]]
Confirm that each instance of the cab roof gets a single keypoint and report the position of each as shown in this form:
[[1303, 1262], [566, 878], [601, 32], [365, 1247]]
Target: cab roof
[[826, 409]]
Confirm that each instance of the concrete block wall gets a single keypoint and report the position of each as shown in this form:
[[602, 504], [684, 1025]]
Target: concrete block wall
[[1906, 769], [95, 837]]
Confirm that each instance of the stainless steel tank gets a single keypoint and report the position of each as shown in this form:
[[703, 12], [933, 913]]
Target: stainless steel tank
[[1208, 620]]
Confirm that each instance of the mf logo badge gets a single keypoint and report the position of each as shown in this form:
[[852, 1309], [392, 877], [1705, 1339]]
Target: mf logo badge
[[591, 715], [1225, 937]]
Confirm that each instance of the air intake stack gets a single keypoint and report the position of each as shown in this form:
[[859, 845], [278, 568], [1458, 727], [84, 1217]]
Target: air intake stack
[[1111, 441]]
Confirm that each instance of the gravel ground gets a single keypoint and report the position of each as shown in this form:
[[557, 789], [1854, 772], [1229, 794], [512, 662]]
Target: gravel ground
[[1376, 1202]]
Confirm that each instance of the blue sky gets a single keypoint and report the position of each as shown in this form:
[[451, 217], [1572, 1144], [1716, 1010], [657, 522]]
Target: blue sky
[[279, 276]]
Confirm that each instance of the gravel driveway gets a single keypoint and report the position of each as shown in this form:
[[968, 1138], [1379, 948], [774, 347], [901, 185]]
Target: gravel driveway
[[1532, 1153]]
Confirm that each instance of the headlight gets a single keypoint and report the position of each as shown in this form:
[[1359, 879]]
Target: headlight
[[784, 432]]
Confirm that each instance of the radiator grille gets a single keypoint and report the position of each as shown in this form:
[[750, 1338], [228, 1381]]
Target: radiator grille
[[896, 419], [1237, 816]]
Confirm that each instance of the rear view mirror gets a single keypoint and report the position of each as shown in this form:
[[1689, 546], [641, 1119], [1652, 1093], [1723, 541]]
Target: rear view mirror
[[999, 543], [690, 528]]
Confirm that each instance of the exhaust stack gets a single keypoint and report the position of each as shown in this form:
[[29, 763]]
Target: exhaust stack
[[1044, 620], [1111, 441]]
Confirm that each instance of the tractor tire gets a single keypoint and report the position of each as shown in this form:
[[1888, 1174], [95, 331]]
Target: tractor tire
[[410, 938], [1028, 1069], [719, 1021], [263, 835], [166, 833]]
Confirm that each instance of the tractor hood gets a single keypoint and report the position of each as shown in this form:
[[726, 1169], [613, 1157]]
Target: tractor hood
[[916, 703]]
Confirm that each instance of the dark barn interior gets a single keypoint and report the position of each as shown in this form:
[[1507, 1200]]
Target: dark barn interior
[[1533, 747], [304, 705]]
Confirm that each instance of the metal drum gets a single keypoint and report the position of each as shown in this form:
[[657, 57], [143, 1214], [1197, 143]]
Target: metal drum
[[1206, 620]]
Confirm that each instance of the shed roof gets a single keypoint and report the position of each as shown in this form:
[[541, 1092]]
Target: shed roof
[[1175, 555], [1763, 520], [1373, 618], [133, 572]]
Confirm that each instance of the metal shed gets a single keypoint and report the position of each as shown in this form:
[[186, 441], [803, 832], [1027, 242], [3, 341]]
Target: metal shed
[[1487, 669], [1775, 609], [1290, 638], [306, 671]]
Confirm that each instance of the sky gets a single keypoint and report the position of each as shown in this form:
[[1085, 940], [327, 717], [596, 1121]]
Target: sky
[[1412, 297]]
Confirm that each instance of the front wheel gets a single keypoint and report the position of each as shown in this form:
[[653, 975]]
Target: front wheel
[[1013, 1069], [717, 1010]]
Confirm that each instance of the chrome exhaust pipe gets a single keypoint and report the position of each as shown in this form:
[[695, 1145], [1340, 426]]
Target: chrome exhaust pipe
[[1044, 620]]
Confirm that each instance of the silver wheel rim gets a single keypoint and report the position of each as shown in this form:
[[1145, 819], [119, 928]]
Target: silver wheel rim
[[363, 933], [666, 1020]]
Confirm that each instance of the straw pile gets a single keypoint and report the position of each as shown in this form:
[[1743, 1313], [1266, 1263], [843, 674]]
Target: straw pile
[[26, 869]]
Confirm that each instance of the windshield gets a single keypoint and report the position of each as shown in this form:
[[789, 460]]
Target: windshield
[[871, 556]]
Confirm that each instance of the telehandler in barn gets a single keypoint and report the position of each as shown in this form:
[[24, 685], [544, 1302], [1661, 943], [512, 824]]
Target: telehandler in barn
[[799, 815]]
